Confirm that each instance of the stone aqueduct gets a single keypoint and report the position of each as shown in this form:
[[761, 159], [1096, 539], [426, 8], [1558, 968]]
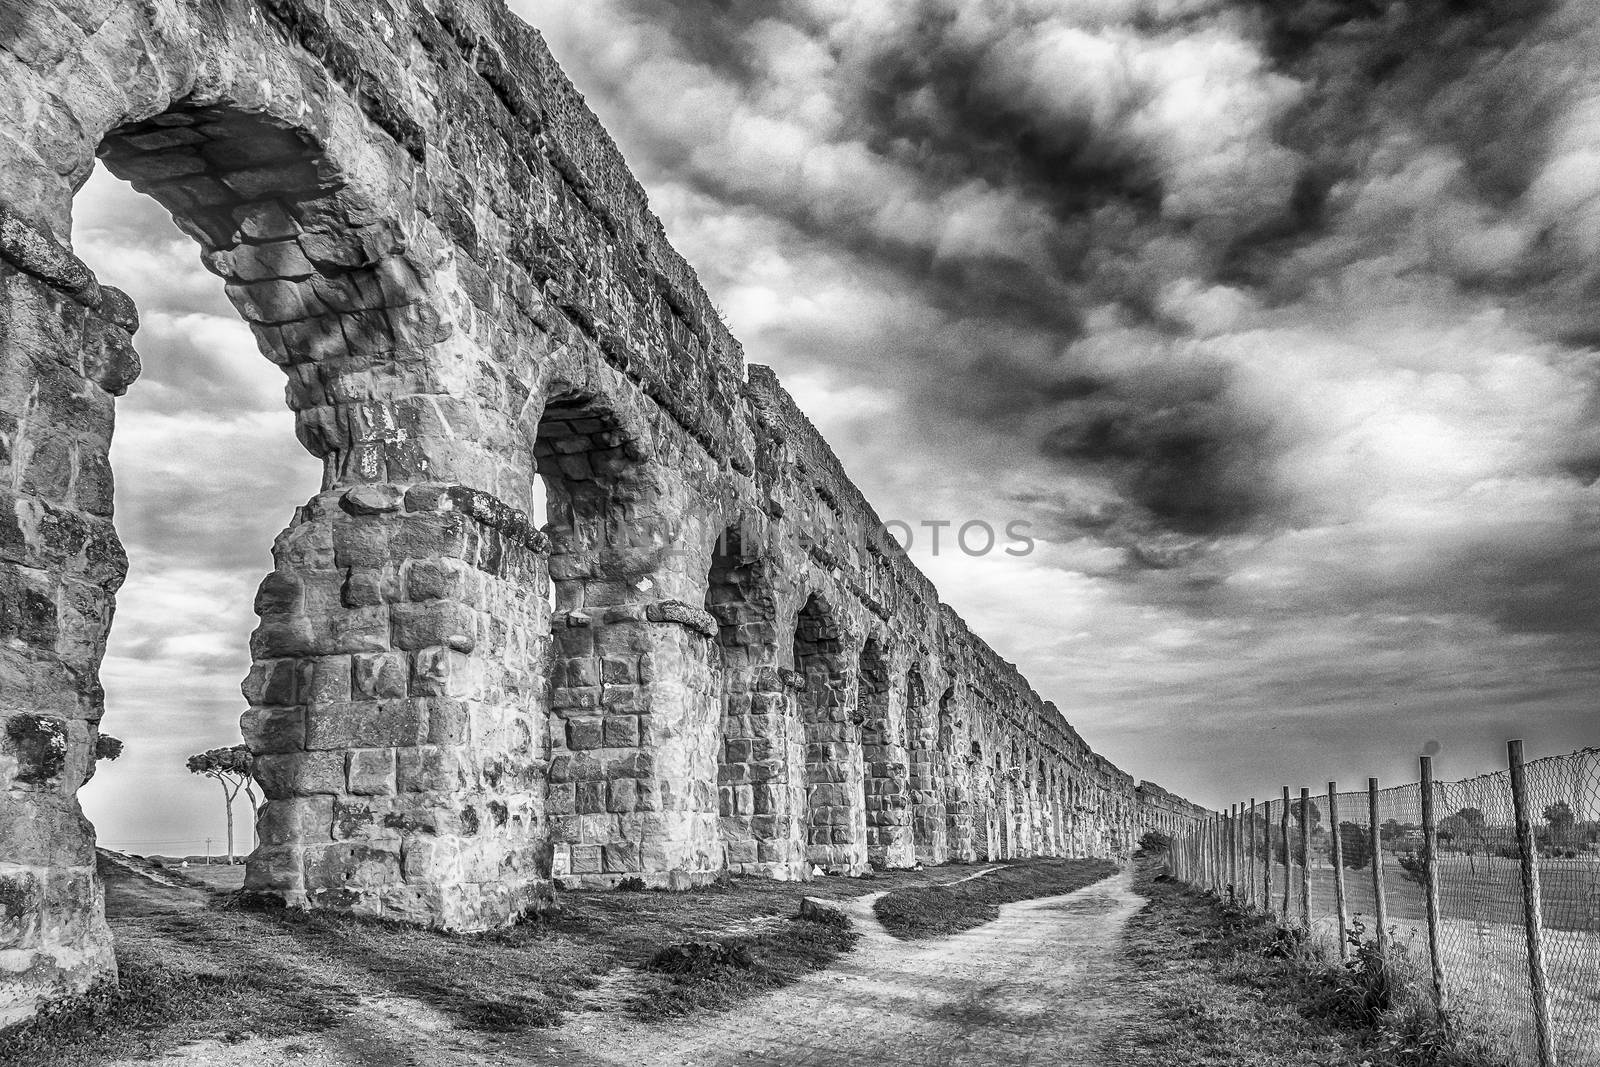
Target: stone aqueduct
[[712, 657]]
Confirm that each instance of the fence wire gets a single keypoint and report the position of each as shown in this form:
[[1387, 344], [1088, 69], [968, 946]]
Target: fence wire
[[1476, 951]]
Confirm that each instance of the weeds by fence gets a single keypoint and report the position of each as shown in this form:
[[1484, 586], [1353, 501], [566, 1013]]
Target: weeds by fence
[[1493, 881]]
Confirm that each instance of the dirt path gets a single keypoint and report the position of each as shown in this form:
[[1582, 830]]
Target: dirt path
[[1027, 988]]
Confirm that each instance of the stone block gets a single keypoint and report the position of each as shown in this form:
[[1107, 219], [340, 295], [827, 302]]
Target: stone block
[[622, 796], [585, 734], [289, 774], [113, 364], [277, 681], [586, 859], [282, 636], [274, 729], [363, 819], [330, 680], [621, 731], [378, 676], [436, 622], [371, 772], [361, 542], [350, 865], [590, 798], [373, 499], [617, 671], [620, 857], [442, 672], [367, 724], [431, 536], [561, 799], [276, 869], [296, 821], [429, 769], [580, 672], [434, 579], [265, 220], [624, 700], [449, 721], [366, 587]]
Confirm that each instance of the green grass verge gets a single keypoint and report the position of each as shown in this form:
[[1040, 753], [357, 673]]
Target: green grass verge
[[940, 910]]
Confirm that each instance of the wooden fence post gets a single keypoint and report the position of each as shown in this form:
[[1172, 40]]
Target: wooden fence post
[[1250, 854], [1305, 859], [1266, 856], [1380, 903], [1288, 860], [1430, 882], [1337, 855], [1233, 855], [1532, 916], [1216, 854]]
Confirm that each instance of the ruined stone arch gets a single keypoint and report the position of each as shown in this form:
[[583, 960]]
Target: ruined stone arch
[[835, 774], [761, 805], [883, 711], [929, 767], [633, 762], [372, 656]]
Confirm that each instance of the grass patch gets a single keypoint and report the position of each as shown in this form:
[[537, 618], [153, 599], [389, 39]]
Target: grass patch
[[226, 972], [177, 984], [713, 975], [940, 910], [1228, 986]]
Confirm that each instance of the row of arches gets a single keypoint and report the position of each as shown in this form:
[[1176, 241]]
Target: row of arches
[[453, 699]]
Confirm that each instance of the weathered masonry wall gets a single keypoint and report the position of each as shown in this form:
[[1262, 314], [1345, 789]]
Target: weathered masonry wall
[[711, 657], [1163, 812]]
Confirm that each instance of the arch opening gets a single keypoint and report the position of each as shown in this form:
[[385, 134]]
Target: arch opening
[[836, 834], [636, 694], [882, 711], [206, 468], [928, 836], [756, 800]]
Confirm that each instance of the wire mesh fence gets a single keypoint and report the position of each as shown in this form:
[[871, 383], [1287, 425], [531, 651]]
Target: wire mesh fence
[[1492, 883]]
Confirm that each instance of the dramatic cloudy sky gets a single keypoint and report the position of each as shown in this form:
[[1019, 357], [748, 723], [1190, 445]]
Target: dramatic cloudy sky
[[1276, 321]]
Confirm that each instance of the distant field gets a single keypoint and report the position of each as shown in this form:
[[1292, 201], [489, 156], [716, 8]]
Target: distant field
[[219, 876], [1486, 888]]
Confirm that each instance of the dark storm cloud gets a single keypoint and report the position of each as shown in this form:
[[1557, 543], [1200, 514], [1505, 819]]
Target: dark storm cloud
[[964, 157], [1475, 79], [710, 31], [1106, 202], [1181, 450]]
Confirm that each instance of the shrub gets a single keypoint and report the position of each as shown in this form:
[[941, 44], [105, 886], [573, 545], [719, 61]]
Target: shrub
[[700, 957], [1356, 845], [1154, 841]]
